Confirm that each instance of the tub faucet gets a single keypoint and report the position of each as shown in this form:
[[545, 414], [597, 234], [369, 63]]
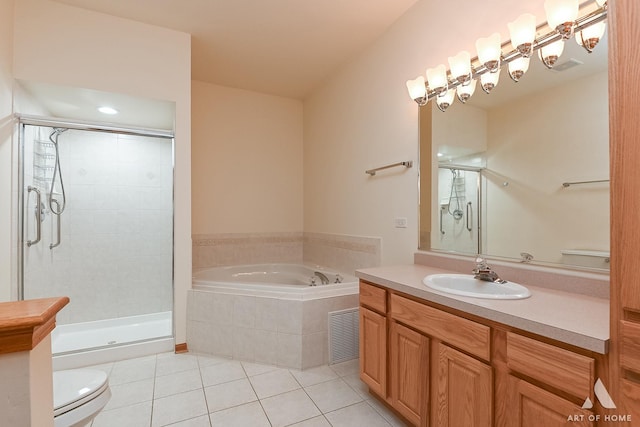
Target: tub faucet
[[484, 272], [324, 279]]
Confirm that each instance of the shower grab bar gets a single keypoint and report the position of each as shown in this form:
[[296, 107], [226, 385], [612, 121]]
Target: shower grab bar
[[441, 224], [55, 245], [469, 226], [568, 184], [38, 216], [406, 164]]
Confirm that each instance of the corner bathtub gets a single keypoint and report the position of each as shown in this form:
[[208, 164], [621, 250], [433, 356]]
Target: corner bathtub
[[270, 314], [282, 281]]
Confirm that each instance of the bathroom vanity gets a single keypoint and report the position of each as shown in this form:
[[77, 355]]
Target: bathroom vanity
[[443, 360]]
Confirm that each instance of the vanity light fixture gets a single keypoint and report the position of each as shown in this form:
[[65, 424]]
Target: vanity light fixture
[[561, 15], [418, 90], [445, 100], [489, 52], [518, 67], [549, 54], [489, 80], [563, 23], [523, 34], [464, 92], [590, 36], [437, 79]]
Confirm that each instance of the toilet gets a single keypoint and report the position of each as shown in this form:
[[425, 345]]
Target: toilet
[[78, 396]]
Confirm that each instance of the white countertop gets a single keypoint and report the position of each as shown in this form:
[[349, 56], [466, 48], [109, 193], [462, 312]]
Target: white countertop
[[574, 319]]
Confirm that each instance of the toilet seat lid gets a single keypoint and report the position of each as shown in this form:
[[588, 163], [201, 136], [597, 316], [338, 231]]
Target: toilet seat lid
[[74, 387]]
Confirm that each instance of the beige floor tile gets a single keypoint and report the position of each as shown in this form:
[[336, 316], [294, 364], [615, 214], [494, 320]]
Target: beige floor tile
[[129, 416], [222, 373], [314, 375], [358, 415], [249, 414], [289, 408], [331, 395], [178, 382], [178, 407], [227, 395], [274, 382]]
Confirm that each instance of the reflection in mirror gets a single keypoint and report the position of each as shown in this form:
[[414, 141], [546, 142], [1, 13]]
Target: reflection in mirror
[[492, 171]]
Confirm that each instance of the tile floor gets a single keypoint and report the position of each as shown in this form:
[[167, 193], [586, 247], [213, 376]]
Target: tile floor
[[188, 390]]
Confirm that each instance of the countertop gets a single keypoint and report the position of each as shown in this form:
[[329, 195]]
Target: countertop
[[23, 324], [579, 320]]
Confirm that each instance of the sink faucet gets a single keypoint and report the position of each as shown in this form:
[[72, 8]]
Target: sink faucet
[[484, 272], [324, 279]]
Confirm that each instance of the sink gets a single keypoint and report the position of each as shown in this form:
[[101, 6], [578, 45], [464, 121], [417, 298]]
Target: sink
[[468, 286]]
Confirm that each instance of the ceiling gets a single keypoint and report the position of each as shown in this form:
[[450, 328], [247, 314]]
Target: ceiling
[[280, 47]]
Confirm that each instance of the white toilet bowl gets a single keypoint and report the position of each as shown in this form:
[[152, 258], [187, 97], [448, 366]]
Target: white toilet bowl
[[78, 396]]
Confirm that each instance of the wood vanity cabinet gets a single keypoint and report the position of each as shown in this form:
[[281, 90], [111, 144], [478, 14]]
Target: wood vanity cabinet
[[438, 369]]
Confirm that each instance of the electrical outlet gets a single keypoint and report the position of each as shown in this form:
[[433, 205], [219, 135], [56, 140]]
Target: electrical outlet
[[400, 222]]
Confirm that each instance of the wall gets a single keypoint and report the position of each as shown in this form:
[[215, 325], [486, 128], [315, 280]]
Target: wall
[[6, 130], [362, 117], [63, 45], [246, 161], [572, 148]]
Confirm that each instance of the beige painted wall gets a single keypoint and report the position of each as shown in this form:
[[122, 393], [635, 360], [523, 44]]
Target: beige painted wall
[[246, 161], [6, 130], [363, 118], [63, 45]]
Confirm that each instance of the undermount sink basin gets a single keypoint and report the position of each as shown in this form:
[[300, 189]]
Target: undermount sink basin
[[466, 285]]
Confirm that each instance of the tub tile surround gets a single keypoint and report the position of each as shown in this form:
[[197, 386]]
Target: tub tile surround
[[339, 252], [285, 333]]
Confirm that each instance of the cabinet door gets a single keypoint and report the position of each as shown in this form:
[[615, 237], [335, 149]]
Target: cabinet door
[[530, 406], [409, 371], [462, 390], [373, 351]]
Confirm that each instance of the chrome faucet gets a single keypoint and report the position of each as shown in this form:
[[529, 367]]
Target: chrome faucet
[[484, 272], [324, 279]]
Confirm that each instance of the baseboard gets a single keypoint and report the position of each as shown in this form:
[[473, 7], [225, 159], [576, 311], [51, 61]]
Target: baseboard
[[181, 348]]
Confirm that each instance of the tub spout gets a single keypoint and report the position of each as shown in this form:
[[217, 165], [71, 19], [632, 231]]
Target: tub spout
[[324, 279]]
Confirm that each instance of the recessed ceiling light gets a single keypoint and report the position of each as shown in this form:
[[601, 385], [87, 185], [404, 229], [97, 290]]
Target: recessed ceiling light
[[107, 110]]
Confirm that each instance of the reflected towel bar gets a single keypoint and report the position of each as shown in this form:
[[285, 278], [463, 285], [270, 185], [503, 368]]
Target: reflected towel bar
[[406, 164], [568, 184]]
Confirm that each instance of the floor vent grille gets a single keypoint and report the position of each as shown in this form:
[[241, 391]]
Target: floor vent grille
[[343, 335]]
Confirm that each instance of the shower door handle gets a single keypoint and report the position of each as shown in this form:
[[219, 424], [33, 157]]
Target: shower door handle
[[441, 224], [469, 212], [53, 245], [38, 216]]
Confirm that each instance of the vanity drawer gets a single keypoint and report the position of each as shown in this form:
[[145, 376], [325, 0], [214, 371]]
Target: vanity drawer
[[373, 297], [465, 334], [554, 366]]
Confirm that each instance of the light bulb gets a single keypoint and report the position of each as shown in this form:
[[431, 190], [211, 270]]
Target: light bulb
[[523, 33], [417, 90], [461, 66], [489, 52], [465, 91], [518, 67], [550, 53], [437, 78]]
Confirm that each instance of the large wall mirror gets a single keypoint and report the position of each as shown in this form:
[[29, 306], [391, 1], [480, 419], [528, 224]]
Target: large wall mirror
[[523, 172]]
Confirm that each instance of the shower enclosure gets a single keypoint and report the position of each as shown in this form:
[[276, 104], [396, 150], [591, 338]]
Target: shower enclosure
[[459, 209], [96, 224]]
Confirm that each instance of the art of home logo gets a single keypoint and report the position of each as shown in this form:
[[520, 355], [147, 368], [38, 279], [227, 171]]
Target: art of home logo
[[602, 395]]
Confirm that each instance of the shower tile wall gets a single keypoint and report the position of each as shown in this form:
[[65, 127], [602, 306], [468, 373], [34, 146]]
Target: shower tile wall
[[115, 256]]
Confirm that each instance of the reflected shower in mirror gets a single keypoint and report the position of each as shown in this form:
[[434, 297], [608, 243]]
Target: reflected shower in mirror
[[522, 142]]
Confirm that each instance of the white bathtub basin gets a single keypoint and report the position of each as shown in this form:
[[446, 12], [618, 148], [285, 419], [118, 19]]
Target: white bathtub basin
[[466, 285]]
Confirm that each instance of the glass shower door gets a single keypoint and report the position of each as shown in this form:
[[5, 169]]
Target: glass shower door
[[102, 206]]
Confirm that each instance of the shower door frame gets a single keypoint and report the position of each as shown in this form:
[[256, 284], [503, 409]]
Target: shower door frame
[[27, 120]]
